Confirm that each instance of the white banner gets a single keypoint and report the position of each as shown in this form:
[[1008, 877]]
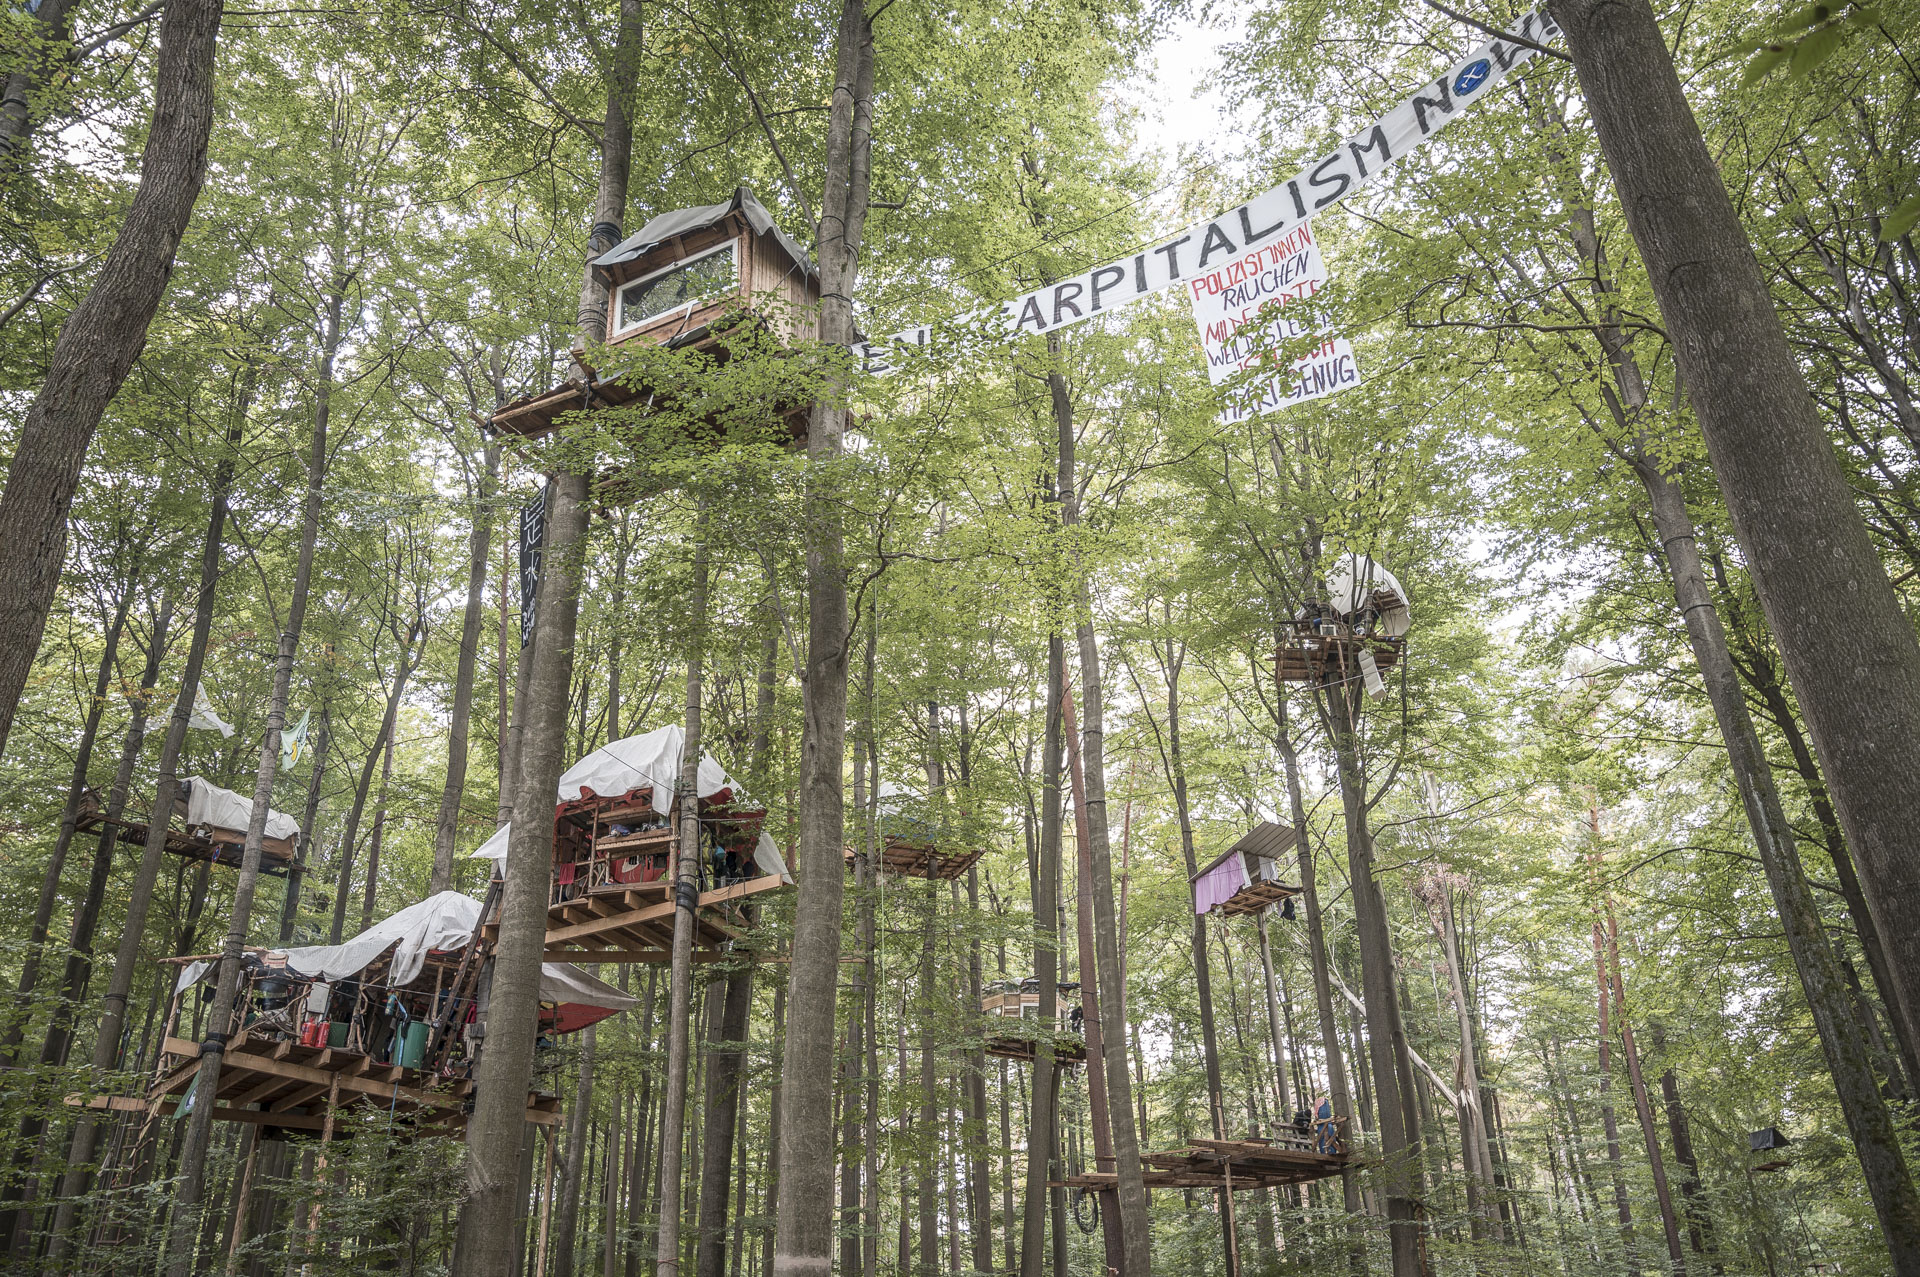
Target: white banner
[[1262, 219], [1234, 335]]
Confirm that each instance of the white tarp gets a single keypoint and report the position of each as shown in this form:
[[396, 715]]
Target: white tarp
[[443, 921], [1345, 169], [208, 804], [651, 759], [565, 983], [1351, 582], [205, 717]]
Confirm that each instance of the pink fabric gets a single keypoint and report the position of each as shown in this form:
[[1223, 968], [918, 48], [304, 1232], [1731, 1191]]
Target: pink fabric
[[1218, 885]]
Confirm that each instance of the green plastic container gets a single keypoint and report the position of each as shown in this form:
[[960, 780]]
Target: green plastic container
[[414, 1052], [337, 1033]]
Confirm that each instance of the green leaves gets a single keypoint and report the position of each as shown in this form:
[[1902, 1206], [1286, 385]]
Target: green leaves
[[1901, 220], [1804, 40]]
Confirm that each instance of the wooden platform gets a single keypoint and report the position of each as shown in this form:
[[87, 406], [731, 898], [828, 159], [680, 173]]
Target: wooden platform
[[1254, 897], [1066, 1051], [1311, 658], [1251, 1163], [286, 1084], [921, 859], [221, 846], [636, 924]]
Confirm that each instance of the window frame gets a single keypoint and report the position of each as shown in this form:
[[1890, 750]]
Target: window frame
[[731, 244]]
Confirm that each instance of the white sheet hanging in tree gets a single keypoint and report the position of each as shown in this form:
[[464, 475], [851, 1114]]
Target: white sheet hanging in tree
[[208, 804]]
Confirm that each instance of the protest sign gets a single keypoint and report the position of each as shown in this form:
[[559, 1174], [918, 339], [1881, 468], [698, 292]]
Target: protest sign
[[1269, 216]]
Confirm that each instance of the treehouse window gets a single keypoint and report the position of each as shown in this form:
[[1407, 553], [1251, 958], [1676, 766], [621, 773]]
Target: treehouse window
[[705, 278]]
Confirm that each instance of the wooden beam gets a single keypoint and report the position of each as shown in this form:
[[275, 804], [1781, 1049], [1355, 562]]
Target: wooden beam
[[303, 1073]]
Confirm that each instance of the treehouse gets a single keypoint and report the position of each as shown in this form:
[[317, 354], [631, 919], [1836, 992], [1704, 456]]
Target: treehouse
[[614, 845], [391, 1019], [1014, 1030], [207, 823], [1246, 877], [911, 838], [693, 279], [1356, 632], [1292, 1157]]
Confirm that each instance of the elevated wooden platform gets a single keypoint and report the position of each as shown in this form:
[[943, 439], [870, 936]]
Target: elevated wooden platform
[[635, 924], [1237, 1164], [1321, 646], [221, 846], [1256, 896], [287, 1084], [1065, 1051], [911, 859]]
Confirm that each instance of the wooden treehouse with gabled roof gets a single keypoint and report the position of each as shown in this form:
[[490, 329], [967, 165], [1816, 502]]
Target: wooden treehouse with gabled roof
[[1358, 631], [206, 823], [1245, 878], [615, 842], [695, 279]]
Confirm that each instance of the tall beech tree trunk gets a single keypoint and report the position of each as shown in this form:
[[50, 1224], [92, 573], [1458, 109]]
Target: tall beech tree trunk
[[343, 877], [126, 960], [191, 1184], [1043, 1114], [1176, 771], [1392, 1071], [490, 1212], [686, 895], [803, 1244], [479, 545], [100, 340], [378, 836], [1130, 1189], [1811, 559], [309, 815]]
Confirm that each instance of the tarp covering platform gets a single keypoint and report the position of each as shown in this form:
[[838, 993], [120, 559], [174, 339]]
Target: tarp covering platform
[[208, 823]]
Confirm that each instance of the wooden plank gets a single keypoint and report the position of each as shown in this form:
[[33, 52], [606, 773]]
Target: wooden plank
[[303, 1073], [710, 899]]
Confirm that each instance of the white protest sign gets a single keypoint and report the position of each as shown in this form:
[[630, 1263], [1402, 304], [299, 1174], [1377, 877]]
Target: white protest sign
[[1241, 312], [1264, 218]]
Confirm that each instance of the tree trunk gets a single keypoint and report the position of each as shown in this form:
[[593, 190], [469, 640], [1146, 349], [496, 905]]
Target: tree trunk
[[1043, 1113], [803, 1245], [377, 837], [1392, 1078], [489, 1214], [192, 1167], [126, 961], [1130, 1190], [479, 544], [686, 894], [100, 340], [1811, 559]]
